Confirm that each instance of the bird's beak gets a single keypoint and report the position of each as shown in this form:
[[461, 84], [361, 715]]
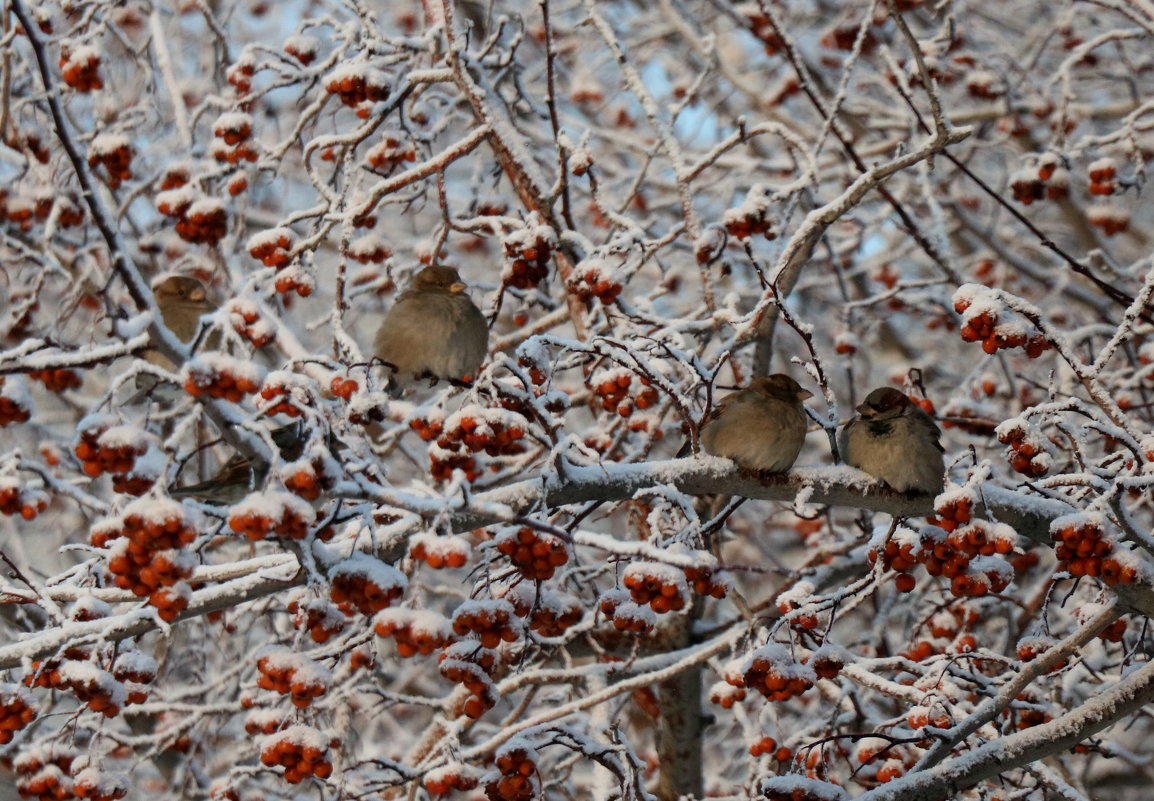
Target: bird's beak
[[804, 394], [864, 409], [458, 286]]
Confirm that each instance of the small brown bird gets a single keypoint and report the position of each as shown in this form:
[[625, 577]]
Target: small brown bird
[[892, 439], [239, 476], [761, 427], [183, 300], [433, 330]]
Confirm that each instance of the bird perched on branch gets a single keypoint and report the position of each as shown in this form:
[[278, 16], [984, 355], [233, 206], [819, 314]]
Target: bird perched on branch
[[239, 475], [892, 439], [434, 330], [761, 427], [182, 300]]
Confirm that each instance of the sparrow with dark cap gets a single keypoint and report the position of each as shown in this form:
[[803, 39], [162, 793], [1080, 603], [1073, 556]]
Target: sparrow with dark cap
[[761, 427], [434, 330], [893, 440]]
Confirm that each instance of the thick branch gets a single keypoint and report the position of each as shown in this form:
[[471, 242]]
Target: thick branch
[[997, 757]]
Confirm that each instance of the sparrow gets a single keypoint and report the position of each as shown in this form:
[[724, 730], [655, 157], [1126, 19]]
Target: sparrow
[[239, 476], [893, 440], [434, 330], [183, 300], [761, 427]]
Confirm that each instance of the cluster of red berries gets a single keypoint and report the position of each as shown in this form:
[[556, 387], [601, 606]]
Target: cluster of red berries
[[99, 785], [536, 555], [953, 624], [285, 393], [265, 721], [18, 708], [596, 278], [355, 84], [517, 762], [1084, 549], [294, 279], [709, 581], [199, 219], [15, 405], [370, 249], [491, 621], [663, 587], [898, 761], [107, 448], [273, 248], [276, 513], [984, 321], [429, 428], [1048, 180], [530, 250], [438, 552], [302, 48], [233, 131], [1030, 648], [322, 619], [44, 773], [774, 673], [921, 716], [25, 211], [1029, 453], [147, 552], [240, 74], [301, 750], [751, 217], [788, 606], [617, 392], [205, 222], [768, 746], [726, 695], [1103, 176], [414, 631], [1111, 218], [218, 375], [366, 585], [547, 613], [136, 672], [16, 498], [80, 68], [964, 552], [289, 673], [344, 387], [92, 686], [57, 380], [472, 666], [114, 153], [393, 149], [454, 776], [626, 615], [248, 321], [307, 478], [497, 432]]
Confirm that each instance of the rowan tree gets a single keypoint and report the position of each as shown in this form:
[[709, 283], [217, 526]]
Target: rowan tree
[[509, 587]]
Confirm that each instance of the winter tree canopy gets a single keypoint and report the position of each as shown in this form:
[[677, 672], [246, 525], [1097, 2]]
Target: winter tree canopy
[[242, 561]]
